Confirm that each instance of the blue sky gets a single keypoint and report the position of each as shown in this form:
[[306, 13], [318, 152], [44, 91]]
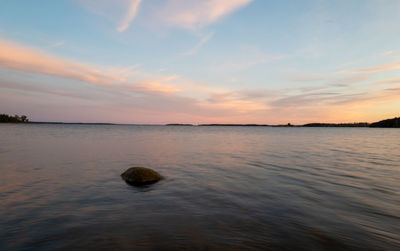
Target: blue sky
[[211, 61]]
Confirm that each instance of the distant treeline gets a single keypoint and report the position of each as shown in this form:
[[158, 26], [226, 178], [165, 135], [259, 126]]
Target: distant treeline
[[4, 118], [232, 125], [179, 124], [337, 125], [389, 123]]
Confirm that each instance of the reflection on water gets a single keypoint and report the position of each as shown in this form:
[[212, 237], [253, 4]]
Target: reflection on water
[[225, 188]]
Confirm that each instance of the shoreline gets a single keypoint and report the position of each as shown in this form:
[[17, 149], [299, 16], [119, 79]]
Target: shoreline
[[387, 123]]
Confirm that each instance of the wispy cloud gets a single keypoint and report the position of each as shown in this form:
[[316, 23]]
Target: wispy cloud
[[303, 99], [378, 68], [129, 16], [387, 53], [119, 12], [350, 79], [387, 81], [244, 62], [39, 89], [241, 101], [17, 57], [200, 44], [57, 44], [192, 14], [305, 77], [186, 14]]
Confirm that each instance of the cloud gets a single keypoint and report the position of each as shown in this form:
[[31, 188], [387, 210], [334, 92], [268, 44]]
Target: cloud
[[120, 12], [129, 16], [17, 57], [22, 58], [186, 14], [244, 59], [155, 85], [327, 81], [386, 81], [236, 105], [193, 14], [56, 44], [357, 100], [351, 79], [305, 77], [309, 99], [38, 89], [200, 44], [241, 101], [387, 53], [378, 68]]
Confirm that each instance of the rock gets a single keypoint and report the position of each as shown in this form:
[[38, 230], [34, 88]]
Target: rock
[[139, 176]]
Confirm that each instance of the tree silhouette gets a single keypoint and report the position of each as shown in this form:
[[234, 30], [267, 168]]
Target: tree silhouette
[[4, 118]]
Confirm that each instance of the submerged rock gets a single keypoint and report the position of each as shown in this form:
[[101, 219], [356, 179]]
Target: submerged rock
[[138, 176]]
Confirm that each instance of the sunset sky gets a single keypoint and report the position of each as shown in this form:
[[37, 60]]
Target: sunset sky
[[206, 61]]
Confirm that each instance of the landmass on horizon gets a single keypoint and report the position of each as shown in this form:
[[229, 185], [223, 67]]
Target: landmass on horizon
[[387, 123]]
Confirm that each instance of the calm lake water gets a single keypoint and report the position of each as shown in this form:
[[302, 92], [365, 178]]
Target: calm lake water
[[235, 188]]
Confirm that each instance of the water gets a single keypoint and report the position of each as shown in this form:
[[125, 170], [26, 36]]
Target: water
[[225, 188]]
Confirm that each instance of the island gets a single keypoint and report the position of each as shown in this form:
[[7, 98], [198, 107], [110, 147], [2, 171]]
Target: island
[[362, 124], [4, 118], [387, 123], [232, 125], [177, 124]]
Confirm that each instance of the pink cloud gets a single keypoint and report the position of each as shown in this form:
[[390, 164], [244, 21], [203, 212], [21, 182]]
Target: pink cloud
[[378, 68], [129, 16], [120, 12], [200, 44], [22, 58], [17, 57], [192, 14]]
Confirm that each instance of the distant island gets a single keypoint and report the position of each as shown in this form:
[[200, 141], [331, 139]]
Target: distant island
[[232, 125], [4, 118], [177, 124], [387, 123], [337, 125], [72, 123]]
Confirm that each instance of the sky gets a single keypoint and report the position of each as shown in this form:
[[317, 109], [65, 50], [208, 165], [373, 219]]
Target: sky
[[205, 61]]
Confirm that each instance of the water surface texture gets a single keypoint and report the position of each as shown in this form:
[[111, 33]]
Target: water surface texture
[[229, 188]]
